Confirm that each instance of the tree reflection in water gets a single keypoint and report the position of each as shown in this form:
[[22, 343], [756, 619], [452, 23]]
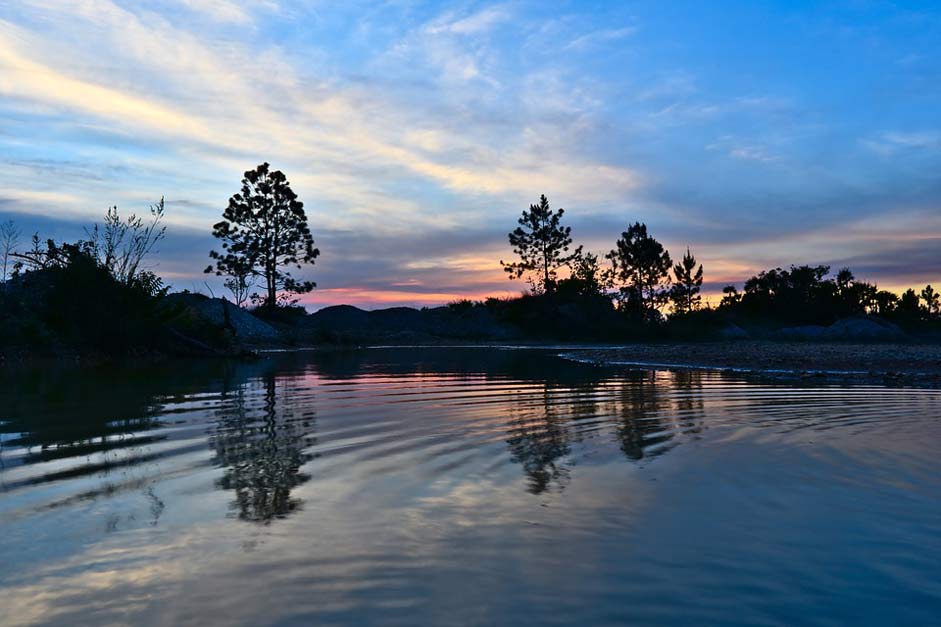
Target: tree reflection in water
[[648, 410], [539, 441], [262, 448], [654, 407]]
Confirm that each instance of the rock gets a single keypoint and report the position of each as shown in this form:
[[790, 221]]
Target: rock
[[857, 328], [222, 313], [864, 328]]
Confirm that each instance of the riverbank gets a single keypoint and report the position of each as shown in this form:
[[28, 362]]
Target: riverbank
[[895, 362]]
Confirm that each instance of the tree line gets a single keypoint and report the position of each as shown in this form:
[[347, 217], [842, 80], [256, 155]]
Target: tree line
[[264, 235], [643, 281], [640, 274]]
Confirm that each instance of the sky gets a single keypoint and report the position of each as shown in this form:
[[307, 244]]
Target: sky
[[758, 134]]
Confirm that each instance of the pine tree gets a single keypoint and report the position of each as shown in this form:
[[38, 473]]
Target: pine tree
[[932, 300], [542, 244], [641, 267], [687, 285], [263, 231]]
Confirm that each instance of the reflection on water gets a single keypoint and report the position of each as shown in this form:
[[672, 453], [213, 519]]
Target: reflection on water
[[261, 448], [462, 486]]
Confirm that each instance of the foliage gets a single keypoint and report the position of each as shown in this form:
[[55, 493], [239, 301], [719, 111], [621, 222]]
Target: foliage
[[120, 246], [687, 283], [9, 240], [588, 277], [884, 302], [542, 244], [263, 231], [285, 312], [909, 303], [932, 300], [73, 301], [240, 282], [806, 295], [730, 296], [641, 270]]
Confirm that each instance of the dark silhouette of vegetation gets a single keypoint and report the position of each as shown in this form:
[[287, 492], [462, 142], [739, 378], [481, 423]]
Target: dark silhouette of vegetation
[[687, 283], [643, 288], [265, 230], [641, 269], [802, 295], [61, 295], [730, 296], [542, 244], [240, 282], [120, 246], [909, 303], [932, 302], [884, 302], [9, 241], [589, 279], [98, 295]]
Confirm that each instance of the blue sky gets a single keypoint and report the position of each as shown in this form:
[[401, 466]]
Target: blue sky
[[757, 133]]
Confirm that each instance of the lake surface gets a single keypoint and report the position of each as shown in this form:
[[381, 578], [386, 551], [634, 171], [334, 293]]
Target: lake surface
[[463, 486]]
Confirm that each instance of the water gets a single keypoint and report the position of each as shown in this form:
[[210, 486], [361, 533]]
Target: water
[[463, 486]]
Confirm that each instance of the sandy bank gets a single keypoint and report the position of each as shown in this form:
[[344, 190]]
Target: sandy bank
[[831, 360]]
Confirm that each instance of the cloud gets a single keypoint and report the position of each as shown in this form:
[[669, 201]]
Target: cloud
[[473, 24], [751, 153], [892, 142], [599, 37], [221, 10], [406, 126]]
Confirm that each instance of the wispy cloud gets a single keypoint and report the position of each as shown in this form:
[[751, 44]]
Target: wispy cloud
[[416, 122], [473, 24], [891, 142], [599, 37]]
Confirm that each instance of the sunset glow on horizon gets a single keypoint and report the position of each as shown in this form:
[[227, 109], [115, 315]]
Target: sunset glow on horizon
[[757, 134]]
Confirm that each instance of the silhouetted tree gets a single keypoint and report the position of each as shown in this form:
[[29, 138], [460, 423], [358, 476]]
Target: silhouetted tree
[[240, 283], [542, 244], [641, 266], [861, 296], [264, 230], [885, 302], [730, 296], [932, 300], [36, 257], [687, 283], [844, 279], [909, 303], [855, 296], [798, 294], [9, 240], [47, 254], [588, 277]]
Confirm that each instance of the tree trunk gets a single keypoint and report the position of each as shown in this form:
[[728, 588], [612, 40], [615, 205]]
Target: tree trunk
[[272, 292]]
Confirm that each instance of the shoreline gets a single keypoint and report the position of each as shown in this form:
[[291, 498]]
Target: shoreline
[[890, 363], [893, 363]]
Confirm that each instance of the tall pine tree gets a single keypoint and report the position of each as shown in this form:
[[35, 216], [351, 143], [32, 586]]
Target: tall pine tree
[[265, 231], [542, 244], [642, 269], [687, 283]]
